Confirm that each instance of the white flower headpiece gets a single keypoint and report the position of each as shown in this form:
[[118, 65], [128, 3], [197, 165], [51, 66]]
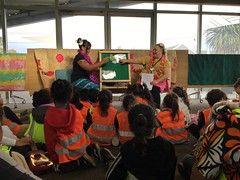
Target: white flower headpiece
[[80, 42]]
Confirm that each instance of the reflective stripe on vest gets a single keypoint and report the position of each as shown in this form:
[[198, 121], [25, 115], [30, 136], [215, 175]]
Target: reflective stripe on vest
[[176, 141], [126, 133], [71, 152], [102, 127], [100, 138], [71, 140], [174, 131]]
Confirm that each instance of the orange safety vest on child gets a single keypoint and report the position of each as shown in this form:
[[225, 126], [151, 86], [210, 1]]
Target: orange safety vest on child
[[86, 106], [124, 132], [14, 127], [64, 135], [172, 130], [141, 100], [102, 129]]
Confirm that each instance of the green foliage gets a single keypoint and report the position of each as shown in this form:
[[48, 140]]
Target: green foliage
[[224, 39]]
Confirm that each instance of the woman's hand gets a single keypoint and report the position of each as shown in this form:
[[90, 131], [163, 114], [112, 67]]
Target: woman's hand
[[123, 61], [105, 60]]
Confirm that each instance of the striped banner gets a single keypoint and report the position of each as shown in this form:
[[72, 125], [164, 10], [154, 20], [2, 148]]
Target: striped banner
[[12, 72]]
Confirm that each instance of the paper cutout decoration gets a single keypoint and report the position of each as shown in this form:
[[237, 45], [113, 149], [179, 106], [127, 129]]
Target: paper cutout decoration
[[59, 58]]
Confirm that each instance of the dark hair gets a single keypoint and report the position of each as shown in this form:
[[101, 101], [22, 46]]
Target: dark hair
[[135, 89], [162, 46], [105, 98], [83, 43], [141, 119], [140, 91], [61, 91], [147, 95], [83, 94], [41, 97], [214, 96], [128, 101], [76, 99], [171, 101], [182, 94], [93, 95], [237, 83]]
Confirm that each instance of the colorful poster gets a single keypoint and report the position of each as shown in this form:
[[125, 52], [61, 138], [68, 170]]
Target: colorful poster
[[12, 72]]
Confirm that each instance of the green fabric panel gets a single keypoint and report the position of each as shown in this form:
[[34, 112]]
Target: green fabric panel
[[11, 76], [122, 70], [212, 69]]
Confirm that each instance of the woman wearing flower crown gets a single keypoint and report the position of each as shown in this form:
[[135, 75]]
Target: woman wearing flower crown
[[161, 69], [85, 71]]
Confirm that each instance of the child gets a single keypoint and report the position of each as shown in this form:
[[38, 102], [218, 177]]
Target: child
[[204, 119], [124, 132], [41, 102], [93, 96], [65, 138], [142, 93], [81, 101], [145, 156], [171, 121], [183, 103], [102, 129], [236, 87]]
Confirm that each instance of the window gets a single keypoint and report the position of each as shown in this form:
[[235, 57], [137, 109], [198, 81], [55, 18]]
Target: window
[[1, 42], [131, 5], [177, 7], [86, 27], [35, 35], [220, 34], [216, 8], [130, 32], [178, 31]]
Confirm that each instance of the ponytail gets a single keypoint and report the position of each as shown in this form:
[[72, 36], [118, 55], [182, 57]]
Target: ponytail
[[142, 121], [105, 98], [170, 101]]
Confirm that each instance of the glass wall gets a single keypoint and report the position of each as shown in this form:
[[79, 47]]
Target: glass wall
[[130, 5], [220, 34], [34, 35], [86, 27], [130, 32], [1, 42], [178, 31], [218, 8], [177, 7]]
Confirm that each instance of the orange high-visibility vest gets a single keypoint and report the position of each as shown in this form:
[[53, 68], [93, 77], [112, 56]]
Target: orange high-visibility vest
[[124, 132], [206, 112], [14, 127], [141, 100], [172, 130], [85, 108], [70, 145], [102, 129]]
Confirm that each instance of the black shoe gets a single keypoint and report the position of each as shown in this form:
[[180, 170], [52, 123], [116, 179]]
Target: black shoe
[[107, 156], [86, 161], [183, 171], [94, 151]]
